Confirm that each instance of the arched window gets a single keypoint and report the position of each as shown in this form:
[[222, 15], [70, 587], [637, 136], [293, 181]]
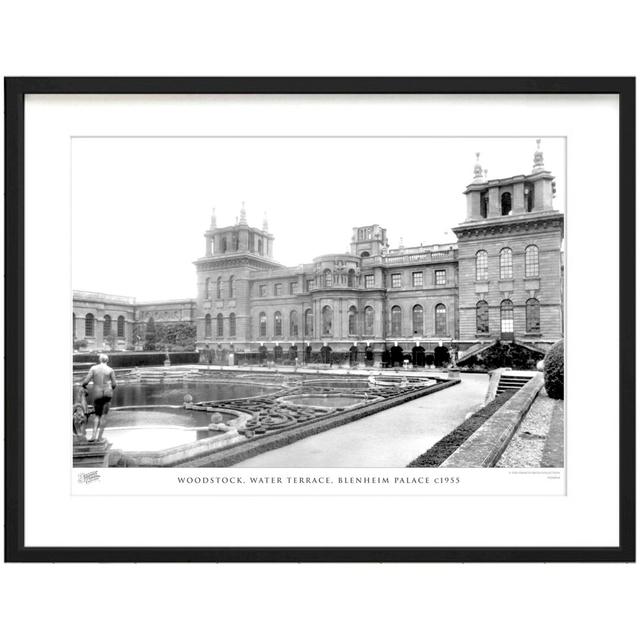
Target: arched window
[[219, 287], [482, 265], [418, 320], [219, 325], [223, 244], [484, 206], [482, 317], [207, 289], [353, 321], [120, 327], [74, 325], [529, 192], [506, 319], [207, 326], [396, 321], [328, 278], [368, 320], [232, 324], [505, 201], [533, 315], [232, 292], [262, 324], [89, 325], [531, 261], [441, 320], [277, 324], [293, 324], [506, 264], [308, 322], [351, 278], [106, 326], [327, 321]]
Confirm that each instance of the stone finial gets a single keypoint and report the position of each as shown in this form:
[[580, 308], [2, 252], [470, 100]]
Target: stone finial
[[477, 169], [538, 159], [243, 214], [213, 218], [265, 223]]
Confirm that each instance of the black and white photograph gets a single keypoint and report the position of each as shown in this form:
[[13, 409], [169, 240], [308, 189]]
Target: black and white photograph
[[320, 320], [318, 302], [346, 310]]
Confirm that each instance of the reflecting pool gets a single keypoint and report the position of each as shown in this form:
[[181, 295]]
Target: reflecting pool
[[135, 394]]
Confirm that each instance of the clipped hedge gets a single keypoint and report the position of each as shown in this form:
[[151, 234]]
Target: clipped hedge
[[450, 443], [554, 371], [127, 359]]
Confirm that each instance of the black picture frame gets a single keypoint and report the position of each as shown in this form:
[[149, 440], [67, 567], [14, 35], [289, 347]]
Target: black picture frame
[[15, 91]]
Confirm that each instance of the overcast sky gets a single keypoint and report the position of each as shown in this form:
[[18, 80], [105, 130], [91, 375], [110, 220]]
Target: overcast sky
[[140, 206]]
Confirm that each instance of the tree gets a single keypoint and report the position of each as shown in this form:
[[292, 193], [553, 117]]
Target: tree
[[150, 335], [110, 340], [554, 371], [171, 336]]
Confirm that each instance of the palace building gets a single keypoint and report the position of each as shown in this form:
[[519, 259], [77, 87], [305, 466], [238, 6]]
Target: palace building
[[502, 280]]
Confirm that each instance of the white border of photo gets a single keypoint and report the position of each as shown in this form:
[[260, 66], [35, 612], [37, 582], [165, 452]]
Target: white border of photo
[[586, 516]]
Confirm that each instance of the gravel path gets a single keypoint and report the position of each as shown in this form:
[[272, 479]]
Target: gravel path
[[527, 445]]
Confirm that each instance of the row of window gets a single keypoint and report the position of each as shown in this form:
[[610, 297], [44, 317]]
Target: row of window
[[505, 201], [354, 320], [531, 268], [505, 261], [417, 320], [417, 278], [278, 289], [219, 325], [208, 293], [233, 243], [440, 279], [107, 326], [532, 315]]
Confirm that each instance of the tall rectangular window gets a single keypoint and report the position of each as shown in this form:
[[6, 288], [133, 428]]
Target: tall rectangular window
[[293, 288], [309, 284], [533, 315], [506, 264], [396, 280], [263, 290], [482, 265], [531, 269], [441, 276], [277, 290], [369, 281], [441, 320], [418, 279], [482, 317]]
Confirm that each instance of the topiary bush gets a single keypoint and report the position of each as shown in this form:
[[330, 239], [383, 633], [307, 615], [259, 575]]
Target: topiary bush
[[554, 371]]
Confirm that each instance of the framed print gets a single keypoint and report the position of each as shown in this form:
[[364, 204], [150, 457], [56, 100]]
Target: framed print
[[320, 319]]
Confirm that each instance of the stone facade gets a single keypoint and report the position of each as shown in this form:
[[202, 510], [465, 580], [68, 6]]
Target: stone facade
[[502, 280], [510, 260], [96, 315]]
